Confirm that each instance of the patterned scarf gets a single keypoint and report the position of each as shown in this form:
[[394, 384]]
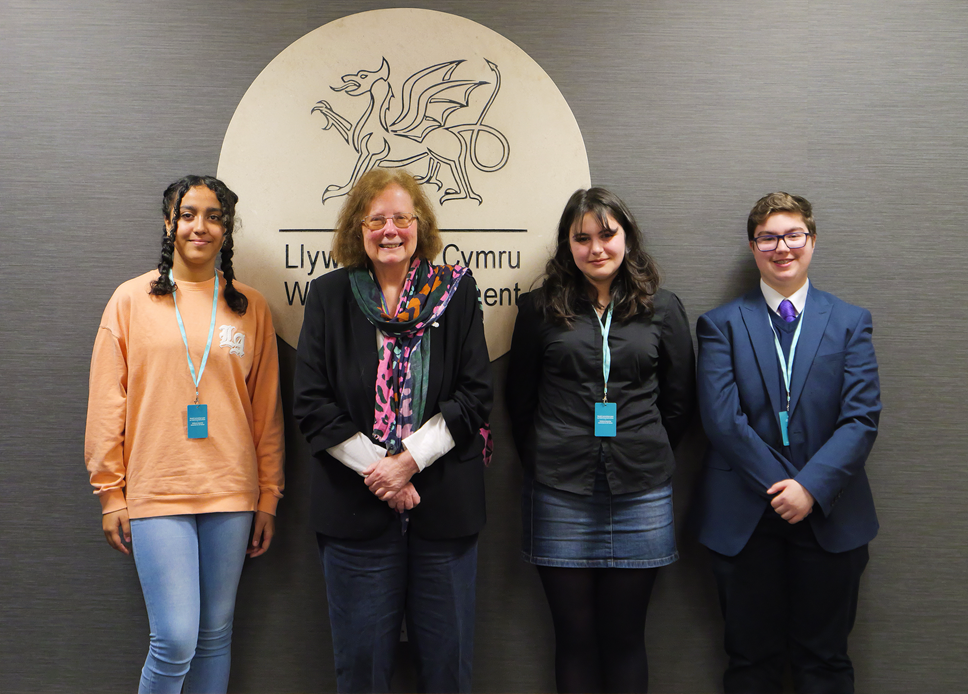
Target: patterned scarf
[[404, 358]]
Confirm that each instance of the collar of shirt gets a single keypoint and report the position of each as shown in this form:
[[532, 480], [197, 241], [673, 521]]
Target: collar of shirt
[[773, 297]]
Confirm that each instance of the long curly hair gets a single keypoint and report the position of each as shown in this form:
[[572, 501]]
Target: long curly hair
[[348, 249], [171, 206], [565, 294]]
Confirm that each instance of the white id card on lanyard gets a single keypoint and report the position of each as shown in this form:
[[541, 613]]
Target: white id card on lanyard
[[786, 367], [606, 413], [197, 415]]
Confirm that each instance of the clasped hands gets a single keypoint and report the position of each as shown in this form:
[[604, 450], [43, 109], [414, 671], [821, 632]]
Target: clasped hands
[[792, 501], [389, 480]]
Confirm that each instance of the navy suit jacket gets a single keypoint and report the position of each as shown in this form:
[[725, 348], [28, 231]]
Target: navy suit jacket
[[834, 410]]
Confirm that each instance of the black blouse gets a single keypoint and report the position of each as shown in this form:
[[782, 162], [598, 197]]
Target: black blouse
[[555, 379]]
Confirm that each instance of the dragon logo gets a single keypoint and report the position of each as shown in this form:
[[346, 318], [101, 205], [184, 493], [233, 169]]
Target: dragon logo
[[393, 132]]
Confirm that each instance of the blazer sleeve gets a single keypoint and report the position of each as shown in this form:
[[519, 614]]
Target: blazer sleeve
[[524, 373], [676, 372], [322, 416], [844, 454], [723, 419], [467, 409]]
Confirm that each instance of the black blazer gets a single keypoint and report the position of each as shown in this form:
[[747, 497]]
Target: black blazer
[[555, 379], [335, 379]]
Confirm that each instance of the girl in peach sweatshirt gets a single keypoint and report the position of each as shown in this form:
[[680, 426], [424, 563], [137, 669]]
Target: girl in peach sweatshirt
[[184, 439]]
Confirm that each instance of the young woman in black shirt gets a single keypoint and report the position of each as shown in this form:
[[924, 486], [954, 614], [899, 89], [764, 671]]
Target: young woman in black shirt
[[600, 389]]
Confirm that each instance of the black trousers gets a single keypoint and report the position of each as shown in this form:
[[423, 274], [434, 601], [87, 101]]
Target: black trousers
[[785, 597]]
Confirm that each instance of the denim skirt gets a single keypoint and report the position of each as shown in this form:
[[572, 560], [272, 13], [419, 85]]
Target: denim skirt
[[604, 530]]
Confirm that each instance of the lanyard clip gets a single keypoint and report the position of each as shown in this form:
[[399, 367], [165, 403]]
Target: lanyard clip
[[196, 396]]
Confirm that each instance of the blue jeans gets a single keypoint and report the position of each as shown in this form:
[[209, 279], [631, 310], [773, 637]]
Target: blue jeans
[[369, 586], [189, 568]]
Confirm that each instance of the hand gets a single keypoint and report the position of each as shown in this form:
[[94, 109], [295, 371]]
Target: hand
[[265, 528], [405, 499], [388, 475], [117, 529], [792, 501]]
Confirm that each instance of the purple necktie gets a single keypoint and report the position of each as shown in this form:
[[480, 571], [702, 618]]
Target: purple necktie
[[787, 312]]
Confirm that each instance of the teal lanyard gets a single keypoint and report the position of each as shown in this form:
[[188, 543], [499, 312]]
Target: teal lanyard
[[786, 366], [606, 352], [211, 332]]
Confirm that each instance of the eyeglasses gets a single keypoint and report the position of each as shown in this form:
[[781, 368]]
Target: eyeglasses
[[401, 220], [792, 239]]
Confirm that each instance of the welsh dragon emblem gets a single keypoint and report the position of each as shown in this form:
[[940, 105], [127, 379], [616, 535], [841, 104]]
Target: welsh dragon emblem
[[401, 131]]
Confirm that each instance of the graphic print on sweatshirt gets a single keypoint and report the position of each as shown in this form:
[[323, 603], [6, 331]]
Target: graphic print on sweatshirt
[[230, 338]]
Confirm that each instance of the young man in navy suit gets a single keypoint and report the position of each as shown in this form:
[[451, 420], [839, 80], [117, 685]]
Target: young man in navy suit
[[790, 399]]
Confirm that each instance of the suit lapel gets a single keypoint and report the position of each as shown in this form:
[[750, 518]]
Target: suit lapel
[[756, 316], [364, 340], [816, 313], [436, 342]]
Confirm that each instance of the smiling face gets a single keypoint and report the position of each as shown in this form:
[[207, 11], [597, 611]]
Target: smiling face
[[198, 235], [390, 248], [598, 251], [783, 269]]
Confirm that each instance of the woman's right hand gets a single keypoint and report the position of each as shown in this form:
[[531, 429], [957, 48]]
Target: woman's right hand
[[117, 529], [405, 499]]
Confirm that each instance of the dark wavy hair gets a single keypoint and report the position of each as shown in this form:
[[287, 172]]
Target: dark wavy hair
[[565, 294], [171, 206], [348, 249]]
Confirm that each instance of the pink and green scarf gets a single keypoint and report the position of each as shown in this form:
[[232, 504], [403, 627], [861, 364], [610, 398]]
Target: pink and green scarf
[[403, 370]]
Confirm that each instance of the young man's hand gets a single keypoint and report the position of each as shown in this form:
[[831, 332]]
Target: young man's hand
[[792, 501]]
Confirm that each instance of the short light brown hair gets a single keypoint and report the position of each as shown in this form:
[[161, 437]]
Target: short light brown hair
[[780, 202], [348, 248]]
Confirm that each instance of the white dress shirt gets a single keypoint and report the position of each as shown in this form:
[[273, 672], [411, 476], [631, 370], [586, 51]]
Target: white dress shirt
[[774, 298]]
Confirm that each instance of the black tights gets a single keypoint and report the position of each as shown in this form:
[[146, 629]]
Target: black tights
[[599, 617]]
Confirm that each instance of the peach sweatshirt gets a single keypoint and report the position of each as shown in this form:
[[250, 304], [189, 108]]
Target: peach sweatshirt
[[136, 446]]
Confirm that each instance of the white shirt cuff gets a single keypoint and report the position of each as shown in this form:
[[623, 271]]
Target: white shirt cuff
[[357, 452], [429, 442]]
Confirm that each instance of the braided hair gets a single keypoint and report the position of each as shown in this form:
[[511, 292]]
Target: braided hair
[[171, 206]]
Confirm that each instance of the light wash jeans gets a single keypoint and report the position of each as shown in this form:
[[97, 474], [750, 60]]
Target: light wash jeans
[[189, 567]]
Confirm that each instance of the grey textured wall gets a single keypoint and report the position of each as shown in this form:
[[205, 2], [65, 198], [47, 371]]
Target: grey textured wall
[[690, 111]]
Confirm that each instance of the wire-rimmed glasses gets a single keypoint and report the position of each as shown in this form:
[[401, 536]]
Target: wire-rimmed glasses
[[401, 220]]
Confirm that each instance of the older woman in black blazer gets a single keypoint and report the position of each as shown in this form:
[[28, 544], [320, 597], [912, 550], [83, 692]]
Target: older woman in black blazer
[[393, 391]]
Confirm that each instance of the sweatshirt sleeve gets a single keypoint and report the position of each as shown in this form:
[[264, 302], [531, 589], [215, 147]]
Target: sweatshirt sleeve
[[267, 428], [106, 412]]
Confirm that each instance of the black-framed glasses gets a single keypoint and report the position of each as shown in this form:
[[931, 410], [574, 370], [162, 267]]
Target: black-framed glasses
[[401, 220], [792, 239]]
